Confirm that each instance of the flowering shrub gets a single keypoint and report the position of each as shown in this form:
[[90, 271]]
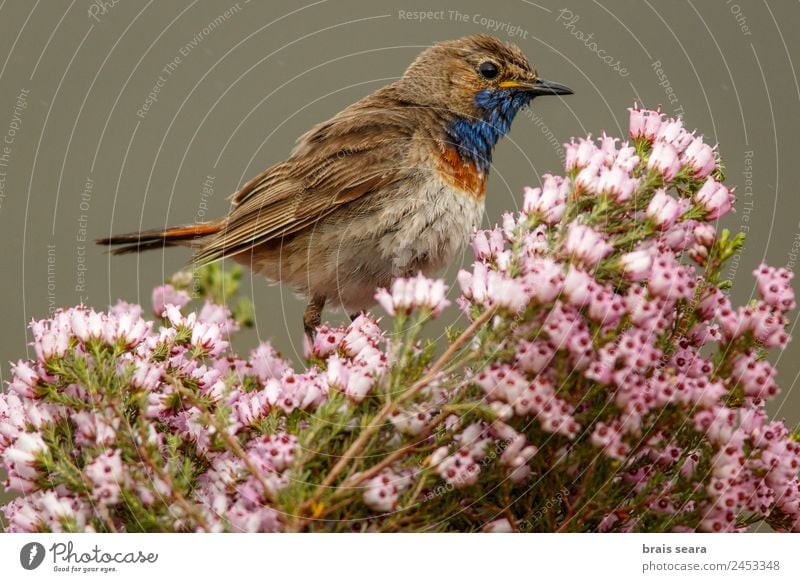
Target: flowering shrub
[[604, 383]]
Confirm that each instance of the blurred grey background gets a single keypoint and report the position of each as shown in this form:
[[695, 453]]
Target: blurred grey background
[[123, 114]]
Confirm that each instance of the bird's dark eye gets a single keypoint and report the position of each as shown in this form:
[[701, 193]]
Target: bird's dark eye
[[488, 70]]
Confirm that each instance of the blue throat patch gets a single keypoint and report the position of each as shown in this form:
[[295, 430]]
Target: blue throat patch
[[475, 138]]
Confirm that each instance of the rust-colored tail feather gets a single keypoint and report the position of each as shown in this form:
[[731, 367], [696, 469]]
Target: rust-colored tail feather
[[146, 240]]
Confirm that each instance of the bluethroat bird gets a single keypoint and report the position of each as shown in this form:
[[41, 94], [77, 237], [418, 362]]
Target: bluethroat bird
[[391, 186]]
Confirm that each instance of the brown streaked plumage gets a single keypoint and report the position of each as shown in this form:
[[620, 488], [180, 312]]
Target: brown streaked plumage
[[392, 185]]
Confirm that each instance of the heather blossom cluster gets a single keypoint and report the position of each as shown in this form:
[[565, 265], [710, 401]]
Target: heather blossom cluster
[[602, 381]]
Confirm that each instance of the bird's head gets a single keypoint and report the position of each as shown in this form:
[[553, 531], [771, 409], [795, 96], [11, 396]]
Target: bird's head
[[479, 84]]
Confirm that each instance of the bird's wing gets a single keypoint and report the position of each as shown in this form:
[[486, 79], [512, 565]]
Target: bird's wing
[[335, 163]]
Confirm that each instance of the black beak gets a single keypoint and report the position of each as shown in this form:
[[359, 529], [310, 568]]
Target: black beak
[[542, 87]]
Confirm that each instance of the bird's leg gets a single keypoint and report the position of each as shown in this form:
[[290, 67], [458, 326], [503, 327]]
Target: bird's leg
[[313, 315]]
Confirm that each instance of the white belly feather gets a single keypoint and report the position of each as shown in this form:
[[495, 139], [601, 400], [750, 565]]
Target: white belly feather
[[347, 256], [435, 224]]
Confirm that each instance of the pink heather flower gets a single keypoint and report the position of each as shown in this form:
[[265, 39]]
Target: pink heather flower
[[587, 179], [609, 438], [176, 318], [474, 440], [510, 223], [303, 391], [128, 329], [636, 265], [165, 294], [663, 209], [47, 510], [714, 198], [607, 522], [581, 154], [19, 461], [247, 408], [92, 428], [485, 287], [704, 234], [537, 398], [95, 324], [544, 279], [506, 292], [549, 201], [208, 337], [79, 322], [755, 376], [382, 491], [248, 517], [372, 360], [56, 510], [679, 236], [608, 145], [488, 244], [337, 373], [498, 526], [626, 159], [146, 374], [664, 160], [700, 157], [669, 279], [766, 326], [774, 286], [644, 123], [585, 244], [51, 337], [502, 383], [578, 286], [107, 475], [698, 253], [22, 516], [279, 449], [326, 342], [516, 456], [123, 307], [219, 315], [535, 242], [430, 294], [672, 132], [616, 183], [460, 469], [535, 356], [359, 383], [25, 379], [361, 337], [26, 446], [410, 422], [480, 245], [414, 293], [266, 363], [702, 333], [605, 307]]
